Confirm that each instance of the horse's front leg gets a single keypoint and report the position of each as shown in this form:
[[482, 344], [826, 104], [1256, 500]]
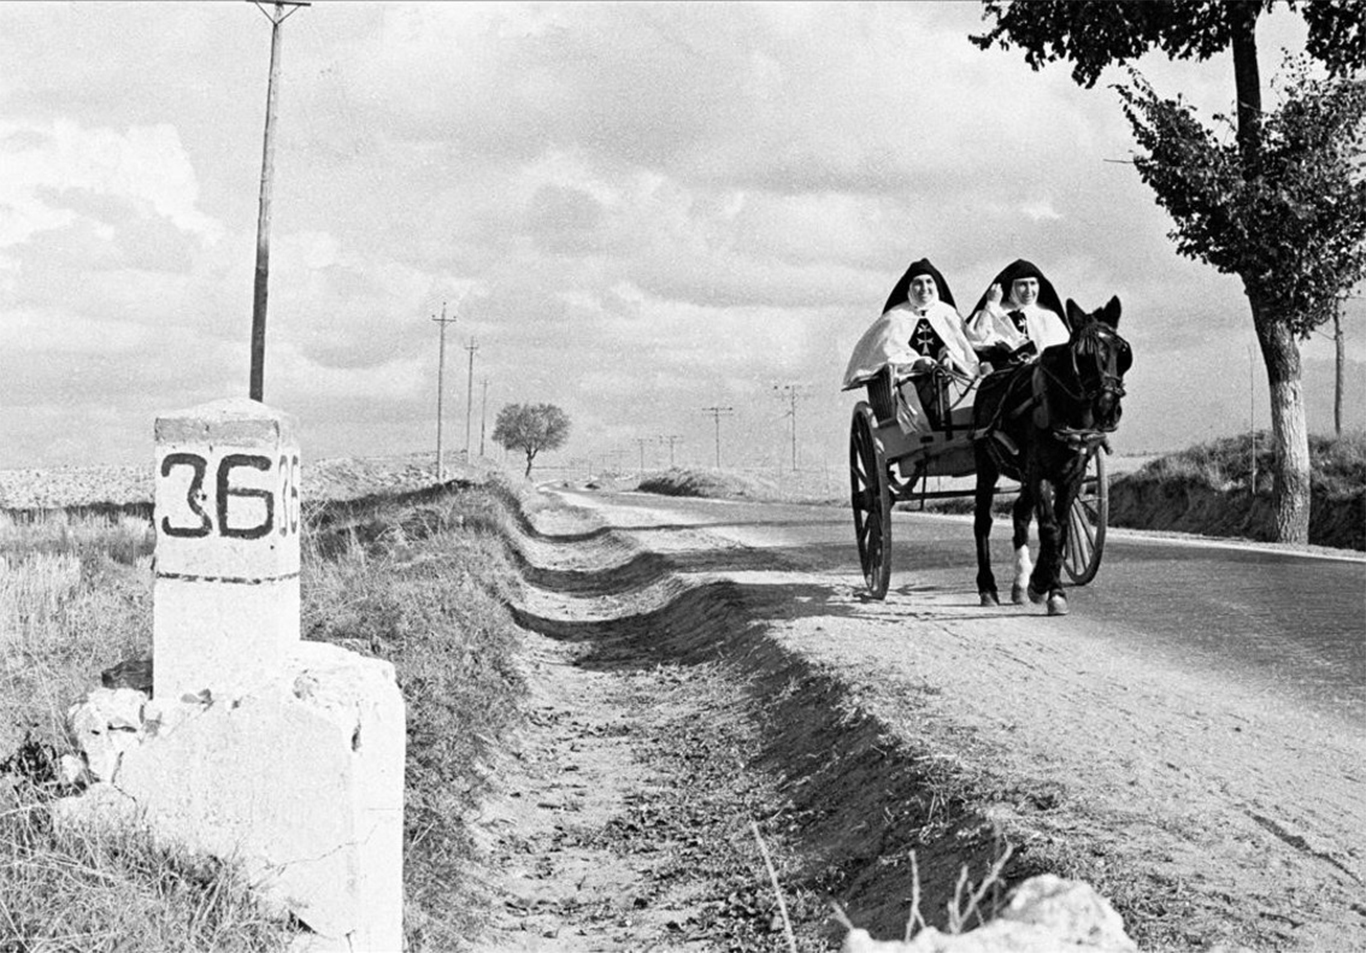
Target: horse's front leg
[[981, 528], [1021, 513], [1046, 579], [1054, 511]]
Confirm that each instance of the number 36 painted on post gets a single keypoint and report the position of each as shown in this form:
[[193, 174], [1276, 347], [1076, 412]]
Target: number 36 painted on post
[[201, 518]]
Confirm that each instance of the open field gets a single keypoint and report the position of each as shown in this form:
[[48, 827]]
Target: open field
[[575, 707]]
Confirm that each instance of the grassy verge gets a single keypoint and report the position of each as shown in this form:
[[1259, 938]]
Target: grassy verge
[[1214, 489], [75, 598], [783, 486], [422, 585], [425, 587]]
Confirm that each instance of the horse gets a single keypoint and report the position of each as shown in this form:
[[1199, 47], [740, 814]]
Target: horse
[[1039, 423]]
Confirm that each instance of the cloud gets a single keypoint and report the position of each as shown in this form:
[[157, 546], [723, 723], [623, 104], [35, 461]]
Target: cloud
[[61, 171], [393, 380], [1040, 211]]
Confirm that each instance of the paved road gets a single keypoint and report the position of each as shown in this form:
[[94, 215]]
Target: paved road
[[1291, 626]]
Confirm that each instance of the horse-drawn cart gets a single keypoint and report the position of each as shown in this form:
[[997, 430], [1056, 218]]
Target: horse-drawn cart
[[890, 463]]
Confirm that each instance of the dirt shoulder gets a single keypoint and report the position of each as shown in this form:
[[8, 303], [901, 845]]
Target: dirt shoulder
[[1208, 815]]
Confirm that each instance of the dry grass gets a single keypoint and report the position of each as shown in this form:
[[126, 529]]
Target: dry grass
[[425, 587], [64, 889], [75, 597], [800, 486], [969, 902]]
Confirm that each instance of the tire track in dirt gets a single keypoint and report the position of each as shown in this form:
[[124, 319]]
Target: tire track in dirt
[[661, 724]]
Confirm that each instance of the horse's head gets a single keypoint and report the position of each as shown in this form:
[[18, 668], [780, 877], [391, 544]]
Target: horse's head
[[1099, 359]]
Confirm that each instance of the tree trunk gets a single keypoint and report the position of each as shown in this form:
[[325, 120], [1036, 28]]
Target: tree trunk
[[1247, 79], [1339, 358], [1290, 435], [1280, 350]]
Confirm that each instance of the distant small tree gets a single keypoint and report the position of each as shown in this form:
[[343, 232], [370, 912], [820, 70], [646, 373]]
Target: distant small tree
[[531, 428]]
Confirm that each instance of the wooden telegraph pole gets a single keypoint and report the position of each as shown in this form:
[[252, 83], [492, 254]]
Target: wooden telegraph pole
[[469, 396], [672, 439], [283, 9], [793, 391], [484, 416], [717, 413], [441, 389]]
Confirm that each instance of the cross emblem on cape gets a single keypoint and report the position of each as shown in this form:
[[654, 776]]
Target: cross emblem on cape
[[926, 340]]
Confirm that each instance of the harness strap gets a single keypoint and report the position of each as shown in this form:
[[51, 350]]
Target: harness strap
[[1042, 418]]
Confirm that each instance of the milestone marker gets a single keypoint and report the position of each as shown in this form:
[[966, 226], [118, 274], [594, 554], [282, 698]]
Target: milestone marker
[[227, 512]]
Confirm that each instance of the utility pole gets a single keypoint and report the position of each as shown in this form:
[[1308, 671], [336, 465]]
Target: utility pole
[[642, 441], [717, 413], [258, 305], [484, 416], [792, 394], [672, 439], [441, 389], [469, 396]]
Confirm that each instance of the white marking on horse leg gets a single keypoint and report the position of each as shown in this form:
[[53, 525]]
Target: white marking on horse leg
[[1023, 567]]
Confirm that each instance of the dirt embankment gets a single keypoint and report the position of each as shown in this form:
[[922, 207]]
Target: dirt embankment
[[1189, 505], [687, 686], [667, 736]]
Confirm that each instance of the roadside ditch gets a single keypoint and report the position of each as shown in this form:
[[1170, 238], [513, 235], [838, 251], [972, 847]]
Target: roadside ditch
[[668, 743]]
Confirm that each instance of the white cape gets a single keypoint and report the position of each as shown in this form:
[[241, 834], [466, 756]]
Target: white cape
[[887, 341], [991, 326]]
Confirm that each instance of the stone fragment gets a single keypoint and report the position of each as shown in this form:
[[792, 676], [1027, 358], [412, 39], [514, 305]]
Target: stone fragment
[[104, 726], [300, 780], [1046, 914]]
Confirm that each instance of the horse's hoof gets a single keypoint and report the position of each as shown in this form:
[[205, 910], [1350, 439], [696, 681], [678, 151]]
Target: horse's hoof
[[1035, 596], [1057, 604], [1017, 594], [990, 599]]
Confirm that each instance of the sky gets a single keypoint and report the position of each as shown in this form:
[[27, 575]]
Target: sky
[[634, 211]]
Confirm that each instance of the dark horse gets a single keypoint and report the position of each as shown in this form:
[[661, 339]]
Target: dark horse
[[1038, 424]]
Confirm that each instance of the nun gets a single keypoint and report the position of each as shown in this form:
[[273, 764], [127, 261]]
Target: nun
[[1018, 308], [920, 328]]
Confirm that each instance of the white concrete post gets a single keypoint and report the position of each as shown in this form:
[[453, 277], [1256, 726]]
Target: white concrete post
[[291, 762], [226, 604]]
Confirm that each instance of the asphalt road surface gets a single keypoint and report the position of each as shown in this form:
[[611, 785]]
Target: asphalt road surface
[[1286, 624]]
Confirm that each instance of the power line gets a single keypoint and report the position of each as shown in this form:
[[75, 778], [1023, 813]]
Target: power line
[[671, 439], [469, 396], [642, 441], [717, 413], [484, 416], [793, 392], [440, 389]]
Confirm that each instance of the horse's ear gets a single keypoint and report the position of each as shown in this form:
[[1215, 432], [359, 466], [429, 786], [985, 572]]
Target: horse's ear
[[1110, 313], [1075, 316]]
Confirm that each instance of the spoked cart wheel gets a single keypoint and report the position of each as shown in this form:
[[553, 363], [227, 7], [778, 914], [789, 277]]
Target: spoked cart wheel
[[871, 498], [1085, 539]]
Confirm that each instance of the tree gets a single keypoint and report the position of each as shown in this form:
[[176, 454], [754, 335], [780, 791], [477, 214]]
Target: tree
[[531, 428], [1283, 206]]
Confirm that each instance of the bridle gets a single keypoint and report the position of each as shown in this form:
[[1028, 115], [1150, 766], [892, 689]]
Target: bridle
[[1104, 344]]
